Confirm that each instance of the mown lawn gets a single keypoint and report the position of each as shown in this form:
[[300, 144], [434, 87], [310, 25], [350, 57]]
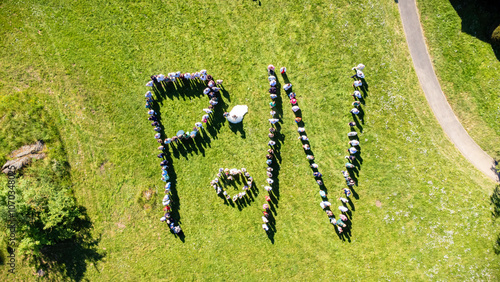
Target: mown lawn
[[465, 63], [88, 63]]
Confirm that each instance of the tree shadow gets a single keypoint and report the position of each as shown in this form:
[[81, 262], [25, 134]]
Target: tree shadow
[[70, 258], [495, 202], [479, 19]]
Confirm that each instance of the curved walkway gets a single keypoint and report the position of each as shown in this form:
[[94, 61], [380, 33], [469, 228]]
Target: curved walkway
[[435, 97]]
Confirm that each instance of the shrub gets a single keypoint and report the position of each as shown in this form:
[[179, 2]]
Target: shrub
[[495, 37], [45, 214]]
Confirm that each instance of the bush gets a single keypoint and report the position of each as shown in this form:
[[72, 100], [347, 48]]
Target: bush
[[45, 214], [495, 37]]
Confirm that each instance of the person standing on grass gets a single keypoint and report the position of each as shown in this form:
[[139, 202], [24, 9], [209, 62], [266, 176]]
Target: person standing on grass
[[322, 194], [359, 74], [270, 69], [303, 137], [340, 223], [347, 192], [350, 158], [350, 182], [354, 143], [343, 217], [354, 111], [359, 67], [349, 165], [343, 209], [356, 94]]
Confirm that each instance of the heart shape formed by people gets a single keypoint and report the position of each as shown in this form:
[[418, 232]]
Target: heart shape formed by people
[[230, 180]]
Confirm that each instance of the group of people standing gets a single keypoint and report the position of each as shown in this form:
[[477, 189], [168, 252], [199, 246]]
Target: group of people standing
[[353, 150], [212, 91], [273, 166], [324, 204]]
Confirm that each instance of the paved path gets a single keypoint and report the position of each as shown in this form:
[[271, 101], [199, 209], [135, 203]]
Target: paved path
[[439, 105]]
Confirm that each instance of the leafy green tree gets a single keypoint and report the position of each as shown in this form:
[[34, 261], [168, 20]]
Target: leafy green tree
[[46, 213]]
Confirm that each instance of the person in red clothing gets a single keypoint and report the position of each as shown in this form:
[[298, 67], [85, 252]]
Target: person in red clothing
[[268, 199]]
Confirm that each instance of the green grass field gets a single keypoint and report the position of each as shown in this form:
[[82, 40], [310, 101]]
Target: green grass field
[[87, 64], [466, 66]]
